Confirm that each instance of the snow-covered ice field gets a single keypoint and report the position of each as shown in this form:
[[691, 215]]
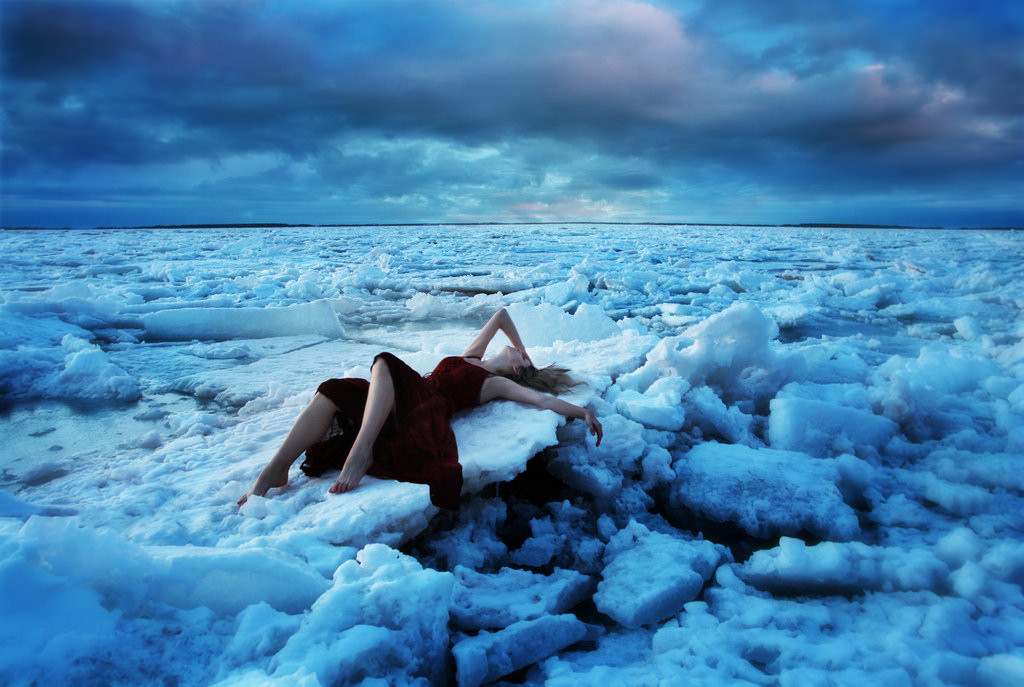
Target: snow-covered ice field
[[812, 470]]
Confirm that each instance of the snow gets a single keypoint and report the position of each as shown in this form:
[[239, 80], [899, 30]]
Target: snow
[[811, 470]]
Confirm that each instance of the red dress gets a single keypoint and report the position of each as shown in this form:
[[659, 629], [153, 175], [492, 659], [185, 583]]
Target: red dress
[[417, 443]]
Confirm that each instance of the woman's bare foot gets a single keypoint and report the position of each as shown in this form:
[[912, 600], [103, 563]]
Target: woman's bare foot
[[356, 465], [270, 477]]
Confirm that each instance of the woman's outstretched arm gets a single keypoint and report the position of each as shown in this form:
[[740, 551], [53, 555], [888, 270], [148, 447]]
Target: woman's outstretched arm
[[502, 387], [500, 321]]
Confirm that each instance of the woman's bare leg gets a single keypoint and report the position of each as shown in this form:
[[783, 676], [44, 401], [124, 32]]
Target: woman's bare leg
[[380, 401], [309, 427]]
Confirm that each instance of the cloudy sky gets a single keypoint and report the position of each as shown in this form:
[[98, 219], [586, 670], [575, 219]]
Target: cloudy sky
[[162, 111]]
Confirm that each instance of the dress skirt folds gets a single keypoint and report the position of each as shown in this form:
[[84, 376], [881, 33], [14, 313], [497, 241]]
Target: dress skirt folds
[[417, 443]]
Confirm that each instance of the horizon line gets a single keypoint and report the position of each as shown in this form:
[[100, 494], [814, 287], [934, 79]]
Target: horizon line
[[285, 225]]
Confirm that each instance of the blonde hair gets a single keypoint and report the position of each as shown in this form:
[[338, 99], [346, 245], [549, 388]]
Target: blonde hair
[[551, 379]]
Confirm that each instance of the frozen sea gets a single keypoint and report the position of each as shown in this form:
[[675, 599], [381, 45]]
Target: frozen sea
[[812, 471]]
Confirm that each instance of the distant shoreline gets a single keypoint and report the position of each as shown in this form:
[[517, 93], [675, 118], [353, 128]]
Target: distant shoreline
[[283, 225]]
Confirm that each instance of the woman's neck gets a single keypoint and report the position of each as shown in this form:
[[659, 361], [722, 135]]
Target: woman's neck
[[491, 365]]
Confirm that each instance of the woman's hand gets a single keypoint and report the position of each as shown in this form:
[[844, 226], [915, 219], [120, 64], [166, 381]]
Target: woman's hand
[[592, 424], [526, 356]]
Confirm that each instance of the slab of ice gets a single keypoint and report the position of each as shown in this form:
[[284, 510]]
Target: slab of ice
[[649, 576], [744, 636], [841, 568], [720, 347], [767, 492], [189, 483], [575, 289], [938, 393], [660, 406], [219, 324], [497, 600], [24, 333], [76, 371], [13, 507], [1001, 669], [426, 306], [986, 470], [384, 617], [836, 362], [490, 655], [73, 306], [709, 413], [495, 441], [297, 371], [600, 470], [47, 621], [598, 363], [956, 497], [825, 419], [729, 350], [82, 591], [202, 576], [378, 511], [259, 632], [182, 577], [544, 324], [619, 658]]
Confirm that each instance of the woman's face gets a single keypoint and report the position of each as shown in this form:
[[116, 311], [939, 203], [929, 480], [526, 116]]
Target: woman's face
[[515, 359]]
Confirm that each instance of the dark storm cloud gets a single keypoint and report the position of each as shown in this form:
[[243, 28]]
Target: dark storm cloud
[[233, 77], [387, 99]]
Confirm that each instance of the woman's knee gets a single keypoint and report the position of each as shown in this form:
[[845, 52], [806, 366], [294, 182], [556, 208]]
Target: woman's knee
[[323, 403], [380, 369]]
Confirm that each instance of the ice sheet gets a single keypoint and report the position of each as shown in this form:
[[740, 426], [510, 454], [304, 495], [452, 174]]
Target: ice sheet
[[843, 410]]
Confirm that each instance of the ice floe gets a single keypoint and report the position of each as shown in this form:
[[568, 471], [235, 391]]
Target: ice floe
[[810, 472]]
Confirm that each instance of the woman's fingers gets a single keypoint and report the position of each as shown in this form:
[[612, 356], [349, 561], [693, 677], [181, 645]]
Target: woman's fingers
[[595, 427]]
